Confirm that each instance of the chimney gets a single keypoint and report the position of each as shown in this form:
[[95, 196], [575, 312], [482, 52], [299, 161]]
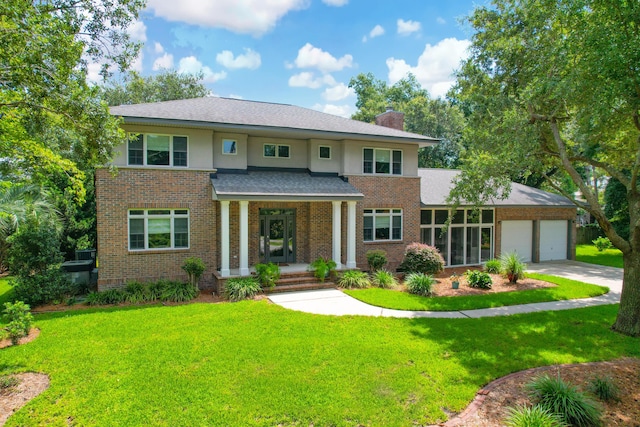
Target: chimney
[[391, 119]]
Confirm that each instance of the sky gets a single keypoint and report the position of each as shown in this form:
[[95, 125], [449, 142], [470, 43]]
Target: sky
[[304, 52]]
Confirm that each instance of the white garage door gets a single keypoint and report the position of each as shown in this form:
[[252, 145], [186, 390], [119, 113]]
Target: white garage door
[[553, 240], [517, 236]]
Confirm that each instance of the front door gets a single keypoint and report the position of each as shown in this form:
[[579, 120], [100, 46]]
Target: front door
[[277, 235]]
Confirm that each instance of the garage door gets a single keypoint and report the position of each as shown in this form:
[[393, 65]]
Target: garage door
[[553, 240], [517, 236]]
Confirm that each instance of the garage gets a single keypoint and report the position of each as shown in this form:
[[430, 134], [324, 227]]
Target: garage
[[553, 240], [517, 236]]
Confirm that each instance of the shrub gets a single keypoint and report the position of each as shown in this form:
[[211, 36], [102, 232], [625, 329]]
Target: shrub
[[604, 388], [177, 291], [239, 288], [35, 249], [354, 279], [19, 320], [493, 266], [420, 258], [512, 266], [384, 279], [564, 399], [194, 267], [268, 274], [478, 279], [602, 243], [44, 287], [535, 416], [112, 296], [420, 284], [377, 259], [322, 267], [93, 298], [136, 292]]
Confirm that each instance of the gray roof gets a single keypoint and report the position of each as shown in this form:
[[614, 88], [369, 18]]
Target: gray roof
[[435, 185], [235, 114], [278, 185]]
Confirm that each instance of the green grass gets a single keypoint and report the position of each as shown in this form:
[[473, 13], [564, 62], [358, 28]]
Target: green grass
[[258, 364], [6, 291], [566, 289], [608, 257]]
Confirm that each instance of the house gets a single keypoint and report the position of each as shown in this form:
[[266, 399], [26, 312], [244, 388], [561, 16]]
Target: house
[[238, 182]]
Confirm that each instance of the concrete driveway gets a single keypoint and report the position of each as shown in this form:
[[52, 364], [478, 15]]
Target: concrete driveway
[[337, 303]]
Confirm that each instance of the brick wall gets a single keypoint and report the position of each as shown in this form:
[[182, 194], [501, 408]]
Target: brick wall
[[386, 192], [144, 189]]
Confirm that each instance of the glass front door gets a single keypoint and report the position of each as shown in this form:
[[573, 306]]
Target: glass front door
[[277, 235]]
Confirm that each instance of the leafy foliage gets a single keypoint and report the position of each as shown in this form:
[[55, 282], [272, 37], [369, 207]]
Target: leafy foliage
[[478, 279], [240, 288], [194, 267], [136, 292], [268, 274], [493, 266], [19, 318], [354, 279], [604, 388], [511, 265], [177, 291], [322, 267], [384, 279], [420, 284], [376, 258], [529, 416], [602, 243], [421, 258], [563, 399]]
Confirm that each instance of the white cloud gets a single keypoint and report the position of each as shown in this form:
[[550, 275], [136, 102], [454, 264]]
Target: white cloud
[[138, 31], [250, 59], [407, 27], [308, 79], [435, 65], [337, 3], [136, 64], [240, 16], [190, 64], [163, 63], [336, 110], [338, 92], [158, 48], [440, 20], [378, 30], [313, 57]]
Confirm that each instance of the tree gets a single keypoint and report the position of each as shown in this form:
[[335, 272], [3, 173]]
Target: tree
[[166, 86], [433, 117], [549, 85]]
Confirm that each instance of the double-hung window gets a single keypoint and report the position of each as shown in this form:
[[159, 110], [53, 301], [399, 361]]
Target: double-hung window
[[382, 161], [158, 229], [157, 150], [276, 150], [382, 224]]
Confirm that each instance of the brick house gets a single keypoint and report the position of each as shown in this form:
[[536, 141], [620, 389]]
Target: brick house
[[238, 182]]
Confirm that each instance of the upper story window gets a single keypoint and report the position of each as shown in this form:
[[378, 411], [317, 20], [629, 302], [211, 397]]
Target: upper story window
[[157, 150], [324, 152], [158, 229], [276, 150], [229, 146], [382, 161]]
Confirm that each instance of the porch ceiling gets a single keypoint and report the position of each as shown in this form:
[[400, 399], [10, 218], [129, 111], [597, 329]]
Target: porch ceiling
[[281, 186]]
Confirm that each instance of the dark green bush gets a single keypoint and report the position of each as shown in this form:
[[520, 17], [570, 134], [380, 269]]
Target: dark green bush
[[240, 288], [93, 298], [478, 279], [604, 388], [419, 284], [112, 296], [268, 274], [493, 266], [155, 289], [136, 292], [354, 279], [535, 416], [421, 258], [178, 291], [48, 286], [384, 279], [18, 317], [377, 259]]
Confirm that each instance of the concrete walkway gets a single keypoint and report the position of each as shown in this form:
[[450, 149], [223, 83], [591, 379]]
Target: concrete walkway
[[337, 303]]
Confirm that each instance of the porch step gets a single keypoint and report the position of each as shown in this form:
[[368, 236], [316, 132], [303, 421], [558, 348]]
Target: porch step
[[299, 281]]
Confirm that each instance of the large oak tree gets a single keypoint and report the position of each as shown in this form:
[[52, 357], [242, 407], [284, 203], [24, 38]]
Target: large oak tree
[[556, 84]]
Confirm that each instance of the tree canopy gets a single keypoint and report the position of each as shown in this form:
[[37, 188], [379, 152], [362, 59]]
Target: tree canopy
[[556, 85]]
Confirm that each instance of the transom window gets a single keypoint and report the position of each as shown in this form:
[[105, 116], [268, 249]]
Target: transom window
[[324, 152], [158, 229], [276, 150], [157, 150], [382, 224], [229, 146], [382, 161]]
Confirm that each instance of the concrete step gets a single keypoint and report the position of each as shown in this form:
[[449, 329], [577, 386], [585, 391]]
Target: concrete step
[[303, 286]]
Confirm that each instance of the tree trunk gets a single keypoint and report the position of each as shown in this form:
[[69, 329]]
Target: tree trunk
[[628, 320]]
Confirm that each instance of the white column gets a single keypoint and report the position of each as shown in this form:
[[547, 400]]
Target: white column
[[337, 232], [244, 238], [224, 236], [351, 234]]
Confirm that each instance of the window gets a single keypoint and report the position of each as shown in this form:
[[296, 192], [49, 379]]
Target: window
[[324, 152], [382, 224], [229, 146], [158, 229], [382, 161], [157, 150], [276, 150]]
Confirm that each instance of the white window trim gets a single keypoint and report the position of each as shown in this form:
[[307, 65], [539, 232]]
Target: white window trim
[[390, 215], [144, 150], [277, 156], [391, 150], [320, 147], [145, 216], [232, 140]]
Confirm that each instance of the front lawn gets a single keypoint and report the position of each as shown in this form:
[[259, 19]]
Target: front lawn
[[566, 289], [6, 291], [258, 364], [608, 257]]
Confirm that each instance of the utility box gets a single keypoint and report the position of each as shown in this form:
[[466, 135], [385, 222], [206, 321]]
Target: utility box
[[78, 271]]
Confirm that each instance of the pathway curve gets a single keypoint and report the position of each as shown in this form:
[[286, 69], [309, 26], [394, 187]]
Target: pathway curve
[[337, 303]]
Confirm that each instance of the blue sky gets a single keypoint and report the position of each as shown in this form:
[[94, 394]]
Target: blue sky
[[303, 52]]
